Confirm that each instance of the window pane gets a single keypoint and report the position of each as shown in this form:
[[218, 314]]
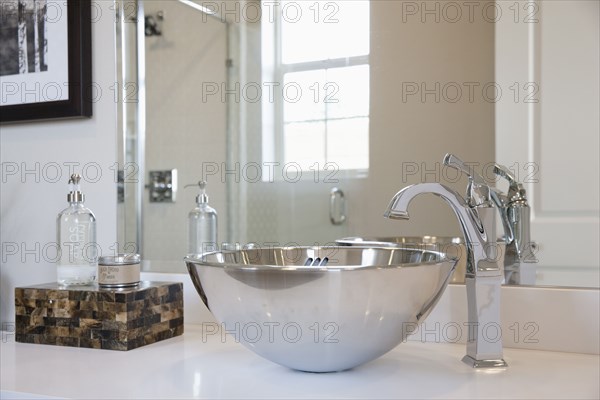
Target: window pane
[[301, 101], [321, 30], [304, 143], [346, 92], [348, 143]]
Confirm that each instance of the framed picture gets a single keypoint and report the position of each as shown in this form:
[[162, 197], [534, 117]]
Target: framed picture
[[45, 60]]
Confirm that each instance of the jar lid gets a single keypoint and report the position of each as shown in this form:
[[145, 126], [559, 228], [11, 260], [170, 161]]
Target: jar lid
[[120, 259]]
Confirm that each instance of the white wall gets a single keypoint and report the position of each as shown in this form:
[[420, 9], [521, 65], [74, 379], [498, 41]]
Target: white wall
[[30, 203]]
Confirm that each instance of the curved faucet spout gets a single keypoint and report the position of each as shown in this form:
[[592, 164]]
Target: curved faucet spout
[[477, 224]]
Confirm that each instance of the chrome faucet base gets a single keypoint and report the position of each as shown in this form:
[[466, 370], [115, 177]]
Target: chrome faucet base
[[495, 363]]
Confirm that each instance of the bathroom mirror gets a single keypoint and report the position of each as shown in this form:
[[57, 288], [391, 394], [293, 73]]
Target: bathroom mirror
[[305, 118]]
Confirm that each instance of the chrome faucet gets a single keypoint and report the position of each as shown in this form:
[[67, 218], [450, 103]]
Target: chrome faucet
[[476, 214], [515, 215]]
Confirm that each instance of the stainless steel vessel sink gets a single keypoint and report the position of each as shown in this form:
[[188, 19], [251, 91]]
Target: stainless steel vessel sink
[[320, 309]]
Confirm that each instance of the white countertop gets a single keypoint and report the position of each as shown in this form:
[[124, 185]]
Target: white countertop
[[190, 367]]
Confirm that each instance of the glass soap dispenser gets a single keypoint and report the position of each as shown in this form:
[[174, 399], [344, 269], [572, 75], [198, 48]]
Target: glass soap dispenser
[[76, 236], [202, 224]]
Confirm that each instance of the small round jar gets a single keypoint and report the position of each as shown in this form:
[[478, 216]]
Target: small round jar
[[122, 270]]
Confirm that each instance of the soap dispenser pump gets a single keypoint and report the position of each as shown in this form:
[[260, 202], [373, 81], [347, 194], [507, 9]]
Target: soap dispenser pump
[[202, 224], [77, 261]]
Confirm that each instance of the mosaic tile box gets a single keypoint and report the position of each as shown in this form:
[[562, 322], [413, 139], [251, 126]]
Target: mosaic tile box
[[88, 316]]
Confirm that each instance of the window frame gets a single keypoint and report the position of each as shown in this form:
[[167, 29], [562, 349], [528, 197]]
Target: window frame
[[280, 69]]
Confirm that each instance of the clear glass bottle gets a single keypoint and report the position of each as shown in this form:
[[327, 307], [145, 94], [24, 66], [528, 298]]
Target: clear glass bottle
[[76, 236], [202, 225]]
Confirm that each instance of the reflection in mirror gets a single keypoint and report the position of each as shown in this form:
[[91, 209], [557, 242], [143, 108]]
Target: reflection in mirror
[[278, 104], [173, 128]]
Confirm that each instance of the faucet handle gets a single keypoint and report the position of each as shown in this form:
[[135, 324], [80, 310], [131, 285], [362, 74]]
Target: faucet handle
[[478, 191], [505, 173], [452, 161], [516, 191]]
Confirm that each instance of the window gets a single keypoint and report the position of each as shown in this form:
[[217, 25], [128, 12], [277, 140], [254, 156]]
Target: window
[[321, 60]]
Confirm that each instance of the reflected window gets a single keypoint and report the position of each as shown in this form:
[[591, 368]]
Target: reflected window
[[321, 61]]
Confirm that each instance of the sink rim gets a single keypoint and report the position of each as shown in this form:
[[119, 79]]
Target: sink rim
[[439, 258], [395, 241]]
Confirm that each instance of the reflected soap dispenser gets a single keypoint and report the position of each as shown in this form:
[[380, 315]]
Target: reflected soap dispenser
[[202, 224], [77, 262]]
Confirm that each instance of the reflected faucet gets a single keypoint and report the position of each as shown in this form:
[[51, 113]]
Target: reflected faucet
[[515, 215], [483, 279]]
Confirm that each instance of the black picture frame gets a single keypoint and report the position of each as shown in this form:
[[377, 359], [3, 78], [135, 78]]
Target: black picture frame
[[79, 103]]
